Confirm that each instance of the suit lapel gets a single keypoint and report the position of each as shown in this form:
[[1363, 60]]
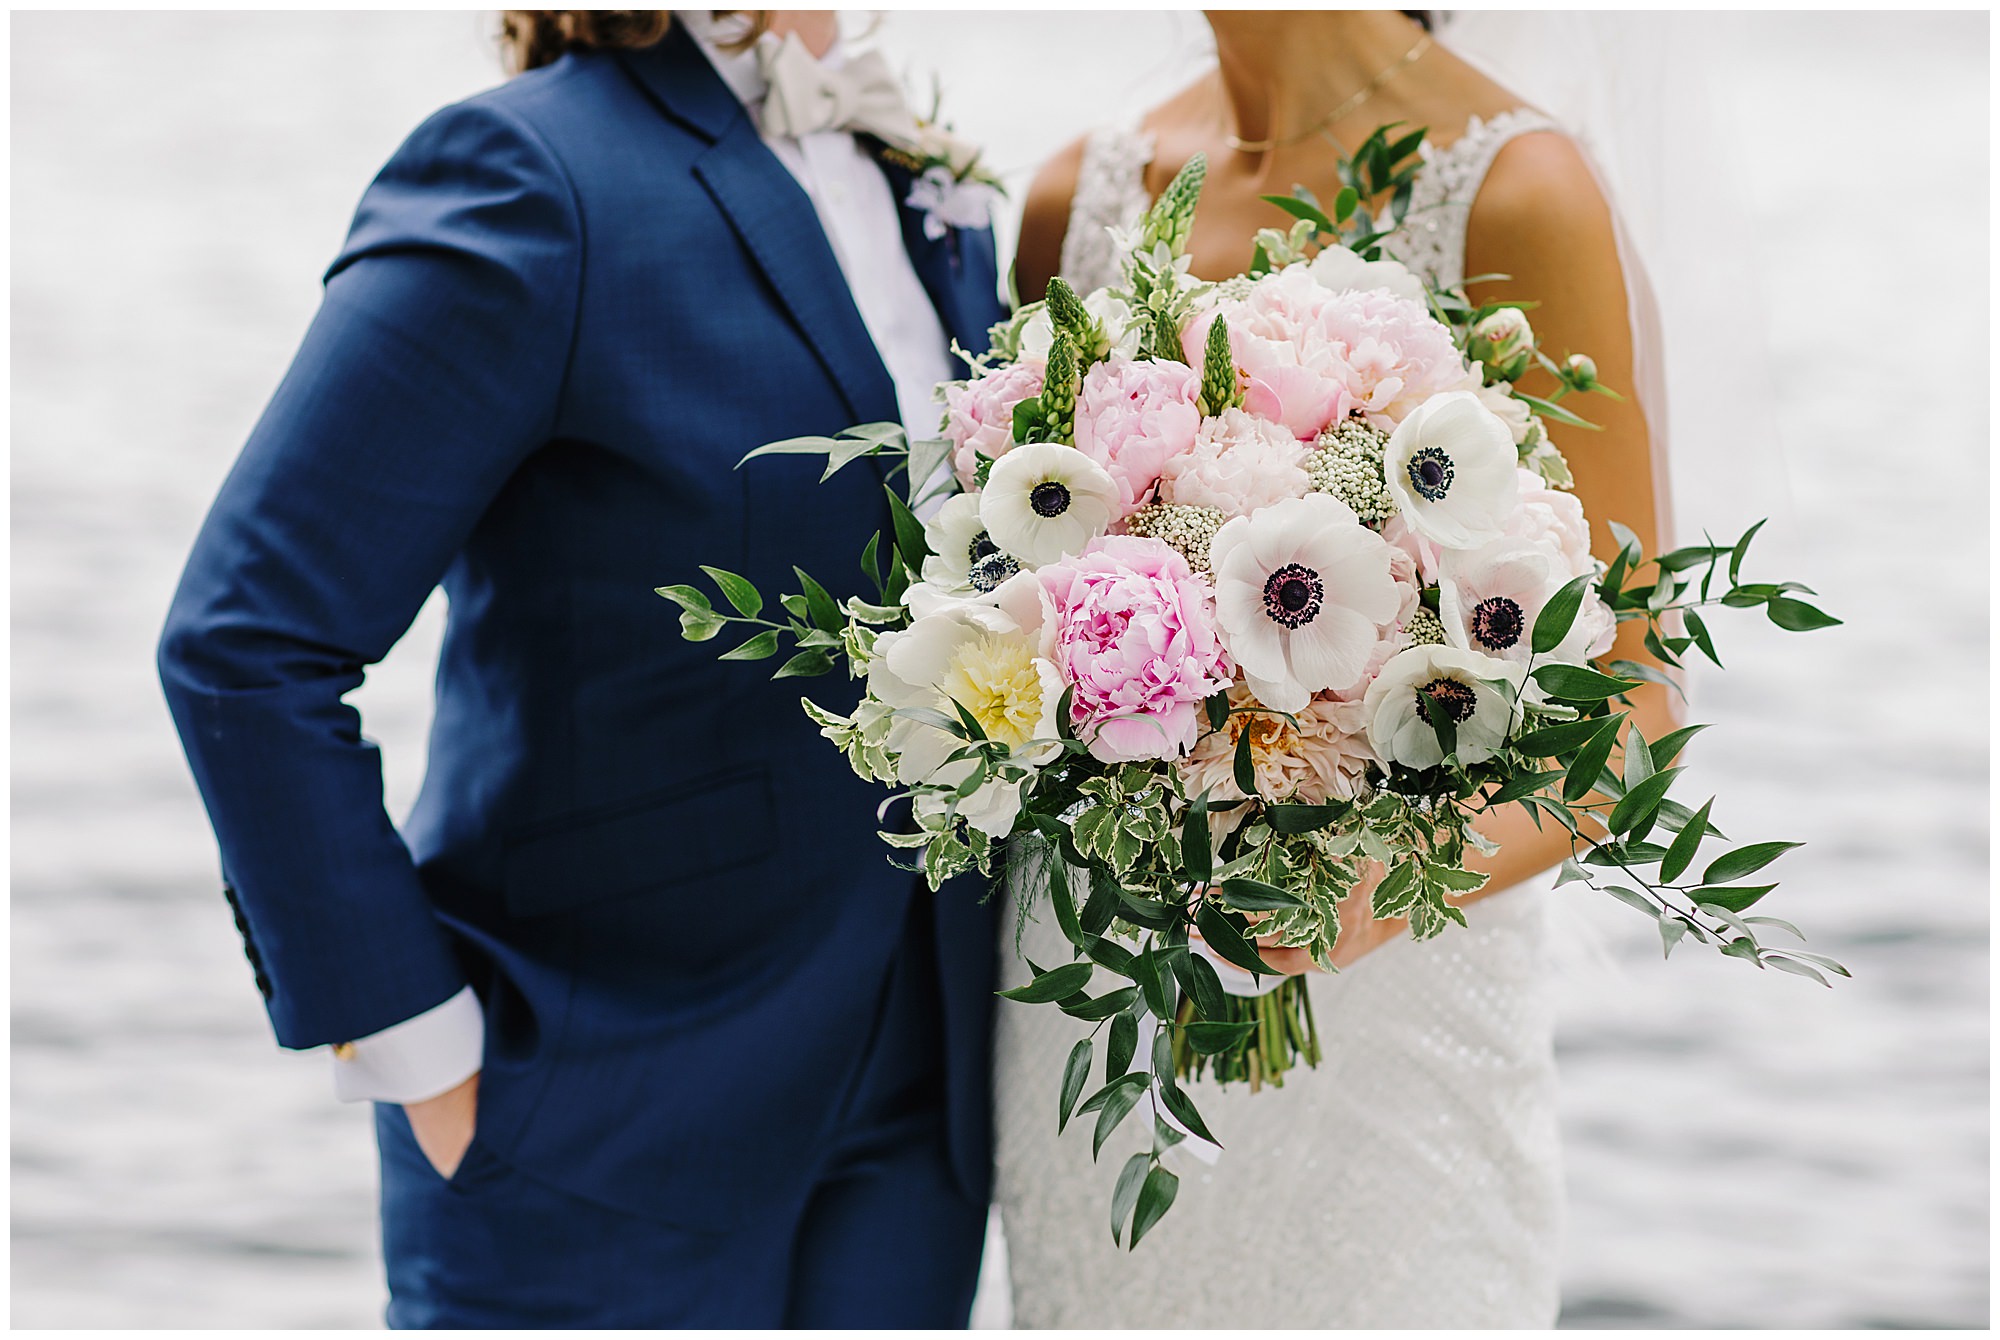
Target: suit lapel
[[951, 271], [772, 216]]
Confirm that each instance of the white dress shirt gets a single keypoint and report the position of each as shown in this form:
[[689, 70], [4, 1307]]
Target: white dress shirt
[[439, 1049]]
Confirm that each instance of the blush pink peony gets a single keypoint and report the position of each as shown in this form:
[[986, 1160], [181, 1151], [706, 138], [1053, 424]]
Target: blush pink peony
[[1554, 520], [1290, 374], [1132, 630], [979, 414], [1396, 354], [1238, 463], [1132, 417]]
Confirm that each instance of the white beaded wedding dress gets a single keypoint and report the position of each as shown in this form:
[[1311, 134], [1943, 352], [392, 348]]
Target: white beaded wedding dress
[[1413, 1179]]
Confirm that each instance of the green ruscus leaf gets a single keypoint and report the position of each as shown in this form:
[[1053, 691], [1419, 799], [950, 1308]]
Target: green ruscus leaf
[[1075, 1075]]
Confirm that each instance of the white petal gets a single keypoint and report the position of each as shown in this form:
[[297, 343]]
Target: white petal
[[1282, 694], [1332, 650]]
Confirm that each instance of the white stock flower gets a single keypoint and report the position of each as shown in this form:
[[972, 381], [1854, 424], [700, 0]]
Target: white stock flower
[[1340, 270], [1044, 500], [1450, 466], [1303, 593], [1400, 730]]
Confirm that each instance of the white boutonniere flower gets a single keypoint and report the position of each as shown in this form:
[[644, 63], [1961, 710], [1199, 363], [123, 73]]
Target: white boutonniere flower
[[952, 187]]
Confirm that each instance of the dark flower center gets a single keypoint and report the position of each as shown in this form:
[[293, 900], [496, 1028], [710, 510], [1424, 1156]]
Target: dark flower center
[[1431, 473], [1292, 595], [1497, 622], [991, 570], [1050, 498], [1457, 699], [981, 546]]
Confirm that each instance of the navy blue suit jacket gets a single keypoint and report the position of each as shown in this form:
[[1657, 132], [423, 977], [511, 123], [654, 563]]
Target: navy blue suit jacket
[[566, 309]]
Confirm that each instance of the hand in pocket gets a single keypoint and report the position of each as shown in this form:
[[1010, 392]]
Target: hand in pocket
[[444, 1125]]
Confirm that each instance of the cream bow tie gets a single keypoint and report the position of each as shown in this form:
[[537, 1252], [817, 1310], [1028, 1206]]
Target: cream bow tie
[[805, 96]]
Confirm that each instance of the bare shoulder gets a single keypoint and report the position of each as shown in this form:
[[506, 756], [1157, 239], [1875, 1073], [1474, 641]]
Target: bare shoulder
[[1045, 220], [1540, 198]]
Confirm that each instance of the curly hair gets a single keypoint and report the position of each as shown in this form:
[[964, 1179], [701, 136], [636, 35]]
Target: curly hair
[[532, 38]]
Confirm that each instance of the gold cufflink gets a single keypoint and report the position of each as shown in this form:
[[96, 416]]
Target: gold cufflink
[[343, 1051]]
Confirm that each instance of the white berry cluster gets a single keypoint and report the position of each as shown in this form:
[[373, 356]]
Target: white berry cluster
[[1425, 629], [1236, 288], [1181, 526], [1348, 465]]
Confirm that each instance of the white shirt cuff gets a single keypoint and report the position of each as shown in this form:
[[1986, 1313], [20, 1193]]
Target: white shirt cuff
[[417, 1059]]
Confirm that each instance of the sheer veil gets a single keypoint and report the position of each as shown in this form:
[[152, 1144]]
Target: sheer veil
[[1639, 93]]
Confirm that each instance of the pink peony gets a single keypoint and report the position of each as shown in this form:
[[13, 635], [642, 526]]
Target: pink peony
[[1424, 553], [1289, 374], [1238, 463], [1396, 354], [1308, 355], [979, 414], [1132, 630], [1554, 520], [1132, 416]]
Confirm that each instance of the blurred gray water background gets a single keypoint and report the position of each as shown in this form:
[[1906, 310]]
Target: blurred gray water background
[[1744, 1149]]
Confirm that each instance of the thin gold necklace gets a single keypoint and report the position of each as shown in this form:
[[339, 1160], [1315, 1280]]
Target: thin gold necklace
[[1368, 90]]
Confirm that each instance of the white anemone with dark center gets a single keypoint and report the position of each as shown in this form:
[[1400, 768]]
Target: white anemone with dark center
[[1303, 593], [1451, 468], [1397, 706], [1490, 597], [1044, 500]]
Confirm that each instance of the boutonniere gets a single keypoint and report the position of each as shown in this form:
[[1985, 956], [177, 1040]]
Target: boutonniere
[[952, 187]]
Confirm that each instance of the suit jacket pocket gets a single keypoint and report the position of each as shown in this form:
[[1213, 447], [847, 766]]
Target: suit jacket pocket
[[689, 832]]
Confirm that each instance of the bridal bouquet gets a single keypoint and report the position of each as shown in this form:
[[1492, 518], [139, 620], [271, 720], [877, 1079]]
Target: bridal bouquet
[[1234, 592]]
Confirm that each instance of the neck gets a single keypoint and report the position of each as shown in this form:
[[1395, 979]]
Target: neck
[[1281, 73], [816, 29]]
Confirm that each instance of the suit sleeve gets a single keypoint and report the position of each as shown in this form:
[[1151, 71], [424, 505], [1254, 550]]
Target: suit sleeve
[[433, 369]]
